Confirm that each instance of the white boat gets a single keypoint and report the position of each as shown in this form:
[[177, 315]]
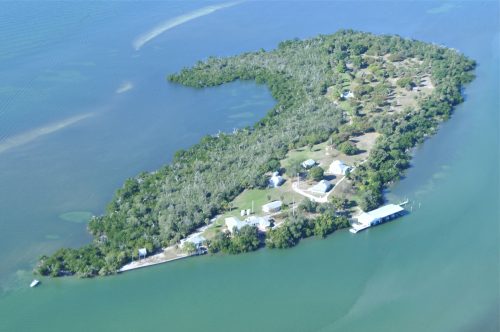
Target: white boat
[[35, 283]]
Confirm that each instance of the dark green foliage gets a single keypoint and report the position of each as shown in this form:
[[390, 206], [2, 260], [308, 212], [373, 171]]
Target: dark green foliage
[[244, 240], [316, 173], [323, 225], [157, 209], [308, 206], [348, 148], [298, 227]]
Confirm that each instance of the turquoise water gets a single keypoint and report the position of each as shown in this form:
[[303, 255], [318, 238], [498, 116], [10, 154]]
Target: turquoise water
[[433, 270]]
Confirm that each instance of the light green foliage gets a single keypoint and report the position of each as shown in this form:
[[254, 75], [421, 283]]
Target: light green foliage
[[189, 248]]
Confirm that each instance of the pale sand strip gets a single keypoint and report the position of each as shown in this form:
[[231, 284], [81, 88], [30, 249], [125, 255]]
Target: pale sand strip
[[168, 254], [171, 23], [34, 134]]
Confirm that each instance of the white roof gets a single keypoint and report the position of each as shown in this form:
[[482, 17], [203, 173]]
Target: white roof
[[272, 205], [339, 163], [143, 252], [197, 239], [232, 222], [338, 167], [347, 94], [276, 180], [385, 211], [260, 222], [366, 218], [309, 162]]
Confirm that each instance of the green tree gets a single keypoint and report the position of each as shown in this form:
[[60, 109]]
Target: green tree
[[316, 173], [323, 225]]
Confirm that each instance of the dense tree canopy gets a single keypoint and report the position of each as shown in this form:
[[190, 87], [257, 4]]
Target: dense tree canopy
[[156, 209]]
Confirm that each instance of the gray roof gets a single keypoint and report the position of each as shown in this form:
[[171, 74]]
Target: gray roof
[[309, 163], [321, 187], [273, 205]]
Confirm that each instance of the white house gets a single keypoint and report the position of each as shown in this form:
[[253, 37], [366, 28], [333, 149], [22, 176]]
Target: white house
[[276, 180], [197, 240], [308, 163], [272, 207], [232, 223], [262, 223], [337, 167], [321, 187]]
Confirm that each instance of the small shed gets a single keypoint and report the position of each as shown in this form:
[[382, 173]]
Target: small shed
[[321, 187], [276, 181], [143, 253], [272, 207], [337, 167], [308, 163], [347, 94]]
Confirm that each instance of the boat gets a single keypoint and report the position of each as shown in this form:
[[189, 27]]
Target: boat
[[35, 283]]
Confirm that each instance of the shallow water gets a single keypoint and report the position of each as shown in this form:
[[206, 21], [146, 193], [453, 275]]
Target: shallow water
[[434, 270]]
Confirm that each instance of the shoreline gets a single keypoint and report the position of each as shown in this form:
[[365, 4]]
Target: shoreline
[[167, 254], [152, 260]]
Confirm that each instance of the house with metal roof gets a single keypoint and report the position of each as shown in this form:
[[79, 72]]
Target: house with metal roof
[[233, 223], [308, 163], [321, 187], [262, 223], [337, 167], [272, 207], [195, 239]]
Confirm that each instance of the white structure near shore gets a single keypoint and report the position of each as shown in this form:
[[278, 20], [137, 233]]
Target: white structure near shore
[[143, 252], [375, 217], [262, 223], [195, 239]]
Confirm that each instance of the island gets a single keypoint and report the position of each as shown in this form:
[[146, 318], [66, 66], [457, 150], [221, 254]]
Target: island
[[349, 109]]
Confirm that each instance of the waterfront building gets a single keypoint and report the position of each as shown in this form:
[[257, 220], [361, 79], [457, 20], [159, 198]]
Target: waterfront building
[[377, 216]]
